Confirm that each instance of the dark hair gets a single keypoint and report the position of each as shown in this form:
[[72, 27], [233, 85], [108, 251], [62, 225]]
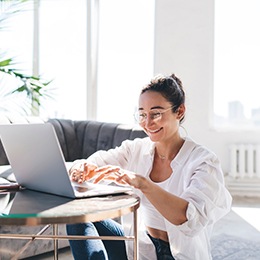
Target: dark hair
[[170, 87]]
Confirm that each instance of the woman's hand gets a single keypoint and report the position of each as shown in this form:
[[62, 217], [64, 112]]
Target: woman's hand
[[120, 176], [81, 172]]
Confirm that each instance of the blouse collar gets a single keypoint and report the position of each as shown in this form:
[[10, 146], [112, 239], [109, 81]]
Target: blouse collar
[[182, 155]]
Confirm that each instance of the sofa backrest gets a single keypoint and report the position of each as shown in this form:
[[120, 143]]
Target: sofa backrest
[[80, 139]]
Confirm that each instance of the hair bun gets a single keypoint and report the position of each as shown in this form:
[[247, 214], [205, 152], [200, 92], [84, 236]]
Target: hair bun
[[178, 81]]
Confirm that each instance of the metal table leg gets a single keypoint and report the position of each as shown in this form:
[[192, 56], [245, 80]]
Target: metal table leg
[[136, 251], [55, 241], [16, 256]]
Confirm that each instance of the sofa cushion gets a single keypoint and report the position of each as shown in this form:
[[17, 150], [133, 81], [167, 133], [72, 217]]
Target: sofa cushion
[[92, 136], [65, 130], [80, 139]]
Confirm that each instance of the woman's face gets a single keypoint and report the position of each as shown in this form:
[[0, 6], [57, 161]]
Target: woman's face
[[158, 120]]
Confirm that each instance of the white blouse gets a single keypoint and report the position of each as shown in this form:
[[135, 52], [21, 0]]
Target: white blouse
[[150, 216], [197, 178]]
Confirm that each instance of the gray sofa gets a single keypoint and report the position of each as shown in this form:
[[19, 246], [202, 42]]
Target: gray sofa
[[78, 139]]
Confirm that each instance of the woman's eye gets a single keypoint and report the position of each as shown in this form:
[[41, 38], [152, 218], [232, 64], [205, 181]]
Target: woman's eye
[[155, 115], [142, 115]]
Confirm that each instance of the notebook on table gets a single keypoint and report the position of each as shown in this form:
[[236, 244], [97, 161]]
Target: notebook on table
[[36, 158]]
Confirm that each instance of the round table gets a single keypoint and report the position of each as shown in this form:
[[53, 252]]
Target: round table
[[33, 208]]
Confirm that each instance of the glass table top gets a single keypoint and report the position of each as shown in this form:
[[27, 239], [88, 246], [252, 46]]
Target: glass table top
[[29, 207]]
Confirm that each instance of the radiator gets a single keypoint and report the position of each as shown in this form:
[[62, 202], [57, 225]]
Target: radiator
[[245, 161]]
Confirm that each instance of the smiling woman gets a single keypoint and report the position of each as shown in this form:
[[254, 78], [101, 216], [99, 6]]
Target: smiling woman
[[163, 167]]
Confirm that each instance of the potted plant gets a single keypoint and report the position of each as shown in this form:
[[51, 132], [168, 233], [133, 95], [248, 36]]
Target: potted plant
[[32, 88]]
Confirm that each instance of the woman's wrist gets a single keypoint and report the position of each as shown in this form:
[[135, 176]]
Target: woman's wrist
[[145, 185]]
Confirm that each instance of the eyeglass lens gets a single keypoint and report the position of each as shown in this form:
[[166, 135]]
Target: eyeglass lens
[[153, 115]]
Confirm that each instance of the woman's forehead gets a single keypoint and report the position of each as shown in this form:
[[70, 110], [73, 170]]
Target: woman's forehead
[[152, 99]]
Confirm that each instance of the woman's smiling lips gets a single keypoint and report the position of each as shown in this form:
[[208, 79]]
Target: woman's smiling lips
[[154, 131]]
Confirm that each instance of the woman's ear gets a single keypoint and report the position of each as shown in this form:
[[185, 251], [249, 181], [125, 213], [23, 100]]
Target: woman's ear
[[181, 111]]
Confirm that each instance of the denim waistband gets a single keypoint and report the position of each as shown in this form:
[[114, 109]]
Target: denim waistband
[[159, 240], [162, 248]]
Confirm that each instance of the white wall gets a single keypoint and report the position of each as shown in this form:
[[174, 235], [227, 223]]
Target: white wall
[[184, 44]]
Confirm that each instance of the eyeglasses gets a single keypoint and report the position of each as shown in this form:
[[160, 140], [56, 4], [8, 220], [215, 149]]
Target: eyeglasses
[[154, 114]]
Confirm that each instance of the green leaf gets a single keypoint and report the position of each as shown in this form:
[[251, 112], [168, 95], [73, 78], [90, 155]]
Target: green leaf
[[6, 62]]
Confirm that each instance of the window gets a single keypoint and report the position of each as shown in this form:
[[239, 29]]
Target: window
[[237, 61], [125, 54], [16, 42], [60, 28], [62, 31], [125, 63]]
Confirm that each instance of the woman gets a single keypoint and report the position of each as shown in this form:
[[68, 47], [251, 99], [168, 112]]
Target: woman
[[180, 184]]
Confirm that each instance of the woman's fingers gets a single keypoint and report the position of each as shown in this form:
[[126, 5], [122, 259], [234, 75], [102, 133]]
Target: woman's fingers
[[89, 171], [99, 178], [85, 172], [112, 176], [82, 172], [112, 173], [106, 172], [107, 169]]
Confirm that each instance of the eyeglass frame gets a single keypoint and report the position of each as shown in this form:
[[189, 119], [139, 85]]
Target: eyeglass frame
[[152, 117]]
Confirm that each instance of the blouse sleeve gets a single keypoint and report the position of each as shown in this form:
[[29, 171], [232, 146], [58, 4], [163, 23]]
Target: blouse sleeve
[[208, 198], [119, 156]]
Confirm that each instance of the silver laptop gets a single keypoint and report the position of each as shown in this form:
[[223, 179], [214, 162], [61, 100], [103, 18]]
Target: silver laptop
[[37, 161]]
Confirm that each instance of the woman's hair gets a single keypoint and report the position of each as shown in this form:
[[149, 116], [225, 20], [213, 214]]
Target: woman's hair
[[170, 87]]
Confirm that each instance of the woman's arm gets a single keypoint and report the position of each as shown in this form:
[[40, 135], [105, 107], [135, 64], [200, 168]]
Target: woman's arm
[[173, 208]]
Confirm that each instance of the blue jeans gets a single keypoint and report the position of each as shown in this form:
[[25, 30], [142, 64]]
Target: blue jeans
[[162, 248], [97, 249]]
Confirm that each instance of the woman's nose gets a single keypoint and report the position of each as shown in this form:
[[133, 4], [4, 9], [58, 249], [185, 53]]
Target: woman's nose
[[149, 121]]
